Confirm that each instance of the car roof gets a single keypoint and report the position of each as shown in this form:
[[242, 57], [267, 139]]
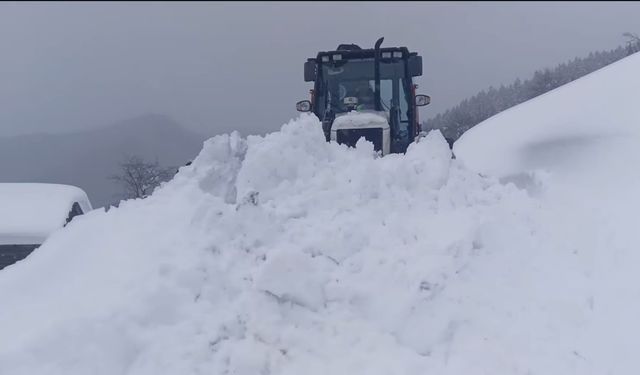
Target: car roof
[[32, 211]]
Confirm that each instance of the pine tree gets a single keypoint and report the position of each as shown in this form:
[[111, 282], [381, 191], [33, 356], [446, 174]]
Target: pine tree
[[456, 120]]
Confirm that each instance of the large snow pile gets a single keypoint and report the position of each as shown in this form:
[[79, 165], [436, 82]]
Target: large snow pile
[[282, 255], [285, 254]]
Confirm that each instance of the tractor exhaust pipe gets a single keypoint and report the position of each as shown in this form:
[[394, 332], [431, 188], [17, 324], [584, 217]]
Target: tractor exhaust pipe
[[376, 73]]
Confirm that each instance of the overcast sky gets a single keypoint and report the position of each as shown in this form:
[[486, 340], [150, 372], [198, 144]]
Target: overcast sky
[[220, 66]]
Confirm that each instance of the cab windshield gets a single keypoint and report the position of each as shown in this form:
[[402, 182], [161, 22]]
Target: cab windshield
[[354, 81]]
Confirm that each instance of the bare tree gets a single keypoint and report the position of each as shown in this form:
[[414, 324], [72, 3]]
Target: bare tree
[[139, 178]]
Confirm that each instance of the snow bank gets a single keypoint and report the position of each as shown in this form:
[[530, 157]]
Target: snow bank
[[279, 254], [567, 129], [562, 300], [29, 212]]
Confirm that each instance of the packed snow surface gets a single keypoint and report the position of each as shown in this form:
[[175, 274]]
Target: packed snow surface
[[575, 150], [29, 212], [286, 254]]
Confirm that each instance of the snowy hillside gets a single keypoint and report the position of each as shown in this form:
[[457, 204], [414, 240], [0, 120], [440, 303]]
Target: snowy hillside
[[575, 149], [575, 125], [285, 254]]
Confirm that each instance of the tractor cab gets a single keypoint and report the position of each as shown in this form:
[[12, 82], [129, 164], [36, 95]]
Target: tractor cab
[[366, 93]]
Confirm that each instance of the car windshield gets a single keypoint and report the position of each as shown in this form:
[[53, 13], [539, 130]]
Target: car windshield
[[350, 84]]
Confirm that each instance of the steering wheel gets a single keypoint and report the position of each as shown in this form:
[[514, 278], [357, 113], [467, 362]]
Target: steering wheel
[[342, 92]]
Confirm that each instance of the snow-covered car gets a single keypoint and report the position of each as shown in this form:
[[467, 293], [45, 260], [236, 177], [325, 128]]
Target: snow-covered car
[[30, 212]]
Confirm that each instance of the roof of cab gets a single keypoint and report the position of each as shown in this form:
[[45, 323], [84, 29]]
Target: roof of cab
[[349, 52], [30, 212]]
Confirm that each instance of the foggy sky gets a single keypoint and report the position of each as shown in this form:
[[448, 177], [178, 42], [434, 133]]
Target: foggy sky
[[220, 66]]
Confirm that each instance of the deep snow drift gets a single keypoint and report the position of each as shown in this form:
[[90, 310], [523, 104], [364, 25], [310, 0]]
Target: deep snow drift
[[593, 122], [282, 255], [575, 149], [285, 254]]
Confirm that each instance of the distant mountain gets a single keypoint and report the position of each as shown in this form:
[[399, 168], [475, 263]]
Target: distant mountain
[[87, 158]]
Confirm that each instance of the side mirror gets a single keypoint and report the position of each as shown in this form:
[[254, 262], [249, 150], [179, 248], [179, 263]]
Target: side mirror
[[303, 106], [422, 100], [309, 71]]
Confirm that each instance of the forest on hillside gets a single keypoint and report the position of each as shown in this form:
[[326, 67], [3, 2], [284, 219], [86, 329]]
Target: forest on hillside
[[471, 111]]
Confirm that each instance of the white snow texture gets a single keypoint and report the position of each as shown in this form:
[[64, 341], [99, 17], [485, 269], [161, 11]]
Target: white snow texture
[[289, 255]]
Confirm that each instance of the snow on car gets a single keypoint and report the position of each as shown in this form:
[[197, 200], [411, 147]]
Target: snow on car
[[30, 212]]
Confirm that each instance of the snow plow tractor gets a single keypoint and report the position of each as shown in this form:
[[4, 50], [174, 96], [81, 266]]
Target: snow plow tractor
[[366, 93]]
